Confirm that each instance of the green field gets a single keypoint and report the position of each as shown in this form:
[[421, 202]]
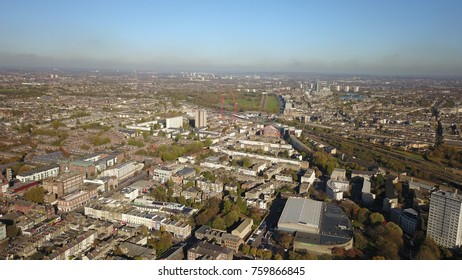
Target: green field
[[272, 104]]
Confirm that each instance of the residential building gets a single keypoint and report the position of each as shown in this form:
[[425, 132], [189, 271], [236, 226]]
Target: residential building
[[445, 219], [163, 174], [308, 177], [219, 237], [270, 131], [201, 118], [39, 174], [208, 251], [205, 185]]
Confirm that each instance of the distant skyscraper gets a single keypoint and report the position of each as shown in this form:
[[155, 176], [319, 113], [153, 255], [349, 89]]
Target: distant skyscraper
[[318, 86], [445, 219], [346, 88], [201, 118]]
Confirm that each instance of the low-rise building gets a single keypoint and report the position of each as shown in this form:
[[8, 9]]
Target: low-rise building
[[205, 185], [39, 174], [336, 188], [208, 251], [124, 170], [66, 183], [219, 237], [308, 177], [75, 200], [244, 228]]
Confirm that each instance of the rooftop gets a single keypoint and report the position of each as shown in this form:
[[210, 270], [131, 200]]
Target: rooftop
[[302, 211]]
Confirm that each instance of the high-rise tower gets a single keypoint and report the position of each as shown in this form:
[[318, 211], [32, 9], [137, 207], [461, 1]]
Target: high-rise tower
[[445, 219]]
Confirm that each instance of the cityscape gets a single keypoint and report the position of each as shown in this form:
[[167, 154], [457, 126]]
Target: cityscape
[[222, 153]]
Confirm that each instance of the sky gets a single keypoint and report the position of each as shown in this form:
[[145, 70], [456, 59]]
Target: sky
[[405, 37]]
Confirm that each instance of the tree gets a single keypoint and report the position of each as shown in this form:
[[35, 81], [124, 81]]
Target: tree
[[394, 233], [428, 250], [388, 249], [253, 251], [360, 241], [170, 183], [278, 257], [245, 249], [338, 252], [267, 255], [242, 204], [363, 215], [12, 231], [207, 142], [159, 193], [226, 206], [376, 218], [164, 243], [36, 194], [219, 223], [246, 162], [286, 240], [144, 230], [208, 175]]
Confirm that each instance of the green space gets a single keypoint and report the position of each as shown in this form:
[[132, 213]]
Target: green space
[[272, 104]]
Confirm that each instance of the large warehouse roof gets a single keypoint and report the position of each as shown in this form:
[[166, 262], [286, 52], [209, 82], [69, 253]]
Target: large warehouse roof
[[300, 211]]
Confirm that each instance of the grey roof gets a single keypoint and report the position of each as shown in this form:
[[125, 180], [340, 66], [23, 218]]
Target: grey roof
[[37, 170], [302, 211], [335, 227]]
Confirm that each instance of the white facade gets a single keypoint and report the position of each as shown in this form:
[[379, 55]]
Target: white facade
[[175, 122], [445, 219], [308, 177], [38, 175], [336, 188], [162, 174], [124, 170]]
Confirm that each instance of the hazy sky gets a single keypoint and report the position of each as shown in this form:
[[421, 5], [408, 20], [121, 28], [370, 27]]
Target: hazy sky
[[344, 36]]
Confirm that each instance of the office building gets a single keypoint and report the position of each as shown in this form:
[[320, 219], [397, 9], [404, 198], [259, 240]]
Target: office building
[[445, 219], [64, 184]]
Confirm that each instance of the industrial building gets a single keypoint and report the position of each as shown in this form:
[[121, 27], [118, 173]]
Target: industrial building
[[318, 227]]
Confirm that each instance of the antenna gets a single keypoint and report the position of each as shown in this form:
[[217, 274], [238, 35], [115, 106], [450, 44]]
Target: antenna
[[222, 99], [235, 106]]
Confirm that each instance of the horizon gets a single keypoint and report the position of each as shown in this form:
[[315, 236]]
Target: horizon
[[414, 38]]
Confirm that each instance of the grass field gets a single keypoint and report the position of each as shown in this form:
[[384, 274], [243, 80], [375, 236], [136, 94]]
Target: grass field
[[272, 104]]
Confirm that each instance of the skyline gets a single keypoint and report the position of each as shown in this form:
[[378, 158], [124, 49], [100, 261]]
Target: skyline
[[358, 37]]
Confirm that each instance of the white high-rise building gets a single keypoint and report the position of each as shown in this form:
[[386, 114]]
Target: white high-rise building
[[201, 118], [445, 219]]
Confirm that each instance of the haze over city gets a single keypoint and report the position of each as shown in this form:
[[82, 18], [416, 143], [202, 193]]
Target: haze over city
[[391, 38]]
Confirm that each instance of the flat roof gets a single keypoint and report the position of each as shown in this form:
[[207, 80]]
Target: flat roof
[[302, 211]]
